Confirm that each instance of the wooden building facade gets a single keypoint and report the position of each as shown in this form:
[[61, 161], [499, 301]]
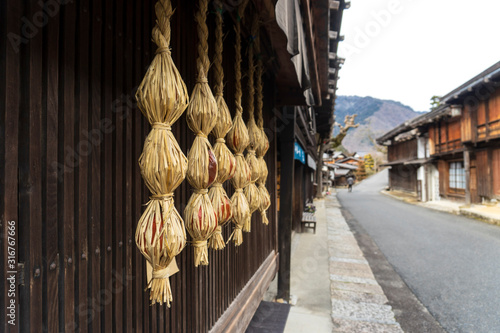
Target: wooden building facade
[[403, 176], [71, 188], [461, 138]]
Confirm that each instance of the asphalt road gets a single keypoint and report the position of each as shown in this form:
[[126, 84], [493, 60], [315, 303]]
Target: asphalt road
[[451, 263]]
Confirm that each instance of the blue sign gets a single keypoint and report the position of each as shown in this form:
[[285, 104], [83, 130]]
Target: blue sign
[[299, 155]]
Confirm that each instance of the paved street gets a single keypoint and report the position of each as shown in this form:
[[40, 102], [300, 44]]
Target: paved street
[[451, 263]]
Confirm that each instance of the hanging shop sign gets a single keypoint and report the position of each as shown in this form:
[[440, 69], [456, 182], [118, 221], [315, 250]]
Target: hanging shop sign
[[299, 155], [311, 162]]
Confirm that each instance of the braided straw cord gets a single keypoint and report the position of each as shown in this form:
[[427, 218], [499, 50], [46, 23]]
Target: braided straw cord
[[237, 62], [203, 62], [161, 31], [259, 97], [162, 98], [219, 46]]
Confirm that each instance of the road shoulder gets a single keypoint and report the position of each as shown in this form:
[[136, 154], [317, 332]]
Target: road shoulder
[[409, 311], [358, 302]]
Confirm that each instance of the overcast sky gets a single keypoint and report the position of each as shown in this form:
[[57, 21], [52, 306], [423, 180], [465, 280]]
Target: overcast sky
[[410, 50]]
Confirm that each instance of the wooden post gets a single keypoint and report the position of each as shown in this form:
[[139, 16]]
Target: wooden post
[[287, 138], [467, 176]]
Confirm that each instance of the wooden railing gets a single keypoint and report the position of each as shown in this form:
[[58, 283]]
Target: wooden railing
[[448, 146]]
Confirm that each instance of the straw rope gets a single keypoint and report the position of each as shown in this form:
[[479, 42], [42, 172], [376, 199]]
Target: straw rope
[[219, 46], [237, 63]]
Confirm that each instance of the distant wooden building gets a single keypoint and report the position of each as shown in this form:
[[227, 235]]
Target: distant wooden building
[[341, 172], [453, 151]]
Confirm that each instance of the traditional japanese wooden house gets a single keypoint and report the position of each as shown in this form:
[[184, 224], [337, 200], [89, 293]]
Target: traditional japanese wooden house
[[462, 140], [70, 138], [467, 141]]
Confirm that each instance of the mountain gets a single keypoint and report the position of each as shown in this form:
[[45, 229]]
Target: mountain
[[375, 117]]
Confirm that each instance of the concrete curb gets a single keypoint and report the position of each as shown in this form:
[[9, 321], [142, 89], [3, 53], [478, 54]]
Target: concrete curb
[[463, 211], [358, 301]]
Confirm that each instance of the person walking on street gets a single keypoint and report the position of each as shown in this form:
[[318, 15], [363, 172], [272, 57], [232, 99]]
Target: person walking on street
[[350, 181]]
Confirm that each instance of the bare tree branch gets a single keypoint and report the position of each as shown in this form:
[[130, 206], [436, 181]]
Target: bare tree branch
[[332, 143]]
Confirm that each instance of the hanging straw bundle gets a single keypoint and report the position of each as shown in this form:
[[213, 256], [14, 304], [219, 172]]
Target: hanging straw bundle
[[201, 220], [162, 97], [263, 146], [251, 191], [237, 140], [226, 161]]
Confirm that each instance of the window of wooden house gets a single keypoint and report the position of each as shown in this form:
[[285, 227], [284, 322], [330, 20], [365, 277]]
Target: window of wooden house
[[457, 177]]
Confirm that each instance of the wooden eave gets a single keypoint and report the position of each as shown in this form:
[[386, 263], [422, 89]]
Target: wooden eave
[[311, 47], [289, 90], [321, 19]]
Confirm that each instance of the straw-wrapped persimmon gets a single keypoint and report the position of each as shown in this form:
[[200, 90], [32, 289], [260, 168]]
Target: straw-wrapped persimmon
[[226, 162], [251, 191], [162, 98], [263, 145], [237, 139], [201, 116]]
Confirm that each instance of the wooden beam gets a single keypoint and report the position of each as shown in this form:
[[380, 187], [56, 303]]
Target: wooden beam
[[287, 137], [306, 127], [313, 61]]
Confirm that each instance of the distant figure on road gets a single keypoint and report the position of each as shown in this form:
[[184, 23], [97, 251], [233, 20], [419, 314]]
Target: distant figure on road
[[350, 181]]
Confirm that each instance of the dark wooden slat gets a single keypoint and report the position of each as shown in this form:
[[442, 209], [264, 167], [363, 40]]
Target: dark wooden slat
[[243, 307], [84, 148], [118, 165], [148, 22], [107, 158], [34, 179], [66, 225], [54, 171], [3, 88], [10, 203], [138, 284], [130, 139], [96, 248]]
